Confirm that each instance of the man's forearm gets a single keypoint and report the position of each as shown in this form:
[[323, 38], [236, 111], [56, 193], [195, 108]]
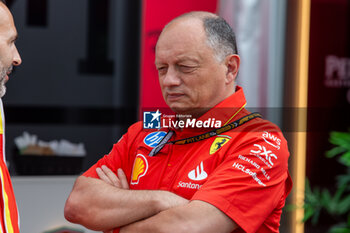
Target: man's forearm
[[194, 217], [100, 206]]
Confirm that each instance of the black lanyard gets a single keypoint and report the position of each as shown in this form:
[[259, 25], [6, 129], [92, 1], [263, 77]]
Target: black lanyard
[[203, 136]]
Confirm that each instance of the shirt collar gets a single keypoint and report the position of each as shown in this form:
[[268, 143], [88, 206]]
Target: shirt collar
[[224, 112]]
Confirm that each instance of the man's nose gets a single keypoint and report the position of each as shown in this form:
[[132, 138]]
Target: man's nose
[[171, 78], [16, 58]]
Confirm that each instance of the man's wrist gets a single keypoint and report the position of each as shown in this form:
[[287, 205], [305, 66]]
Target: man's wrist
[[165, 200]]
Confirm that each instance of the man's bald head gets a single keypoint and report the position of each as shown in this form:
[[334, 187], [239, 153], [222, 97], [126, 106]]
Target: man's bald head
[[220, 36], [3, 3], [5, 14]]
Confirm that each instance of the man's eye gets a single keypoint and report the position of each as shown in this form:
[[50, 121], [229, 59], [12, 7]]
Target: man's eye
[[162, 70], [187, 69]]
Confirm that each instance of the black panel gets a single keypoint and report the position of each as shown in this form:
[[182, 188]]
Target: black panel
[[97, 48], [128, 39], [37, 13]]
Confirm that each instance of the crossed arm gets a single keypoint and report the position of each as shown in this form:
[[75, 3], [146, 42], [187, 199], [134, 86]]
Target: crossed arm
[[107, 203]]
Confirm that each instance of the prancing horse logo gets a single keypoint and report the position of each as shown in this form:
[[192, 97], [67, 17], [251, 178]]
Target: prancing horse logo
[[219, 142]]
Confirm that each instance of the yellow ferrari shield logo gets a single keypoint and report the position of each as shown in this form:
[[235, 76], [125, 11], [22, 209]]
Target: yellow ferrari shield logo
[[219, 142]]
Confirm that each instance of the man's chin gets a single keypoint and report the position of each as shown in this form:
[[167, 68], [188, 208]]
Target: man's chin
[[178, 109], [189, 112], [182, 110]]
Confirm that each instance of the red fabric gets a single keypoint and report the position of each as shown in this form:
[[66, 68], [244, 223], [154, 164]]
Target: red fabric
[[230, 178], [12, 222]]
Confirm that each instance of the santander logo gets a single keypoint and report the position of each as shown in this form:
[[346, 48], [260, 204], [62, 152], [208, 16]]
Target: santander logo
[[198, 173]]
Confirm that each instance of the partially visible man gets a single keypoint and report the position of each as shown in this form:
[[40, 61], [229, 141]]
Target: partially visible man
[[9, 57], [227, 177]]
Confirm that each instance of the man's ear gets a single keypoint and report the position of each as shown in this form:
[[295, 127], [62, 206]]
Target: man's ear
[[232, 63]]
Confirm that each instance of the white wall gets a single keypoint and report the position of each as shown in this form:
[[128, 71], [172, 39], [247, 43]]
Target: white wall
[[41, 201]]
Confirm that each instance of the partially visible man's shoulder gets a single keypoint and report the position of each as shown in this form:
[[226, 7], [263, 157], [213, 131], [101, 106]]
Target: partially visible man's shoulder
[[135, 130], [260, 125], [262, 142], [260, 132], [266, 130], [136, 127]]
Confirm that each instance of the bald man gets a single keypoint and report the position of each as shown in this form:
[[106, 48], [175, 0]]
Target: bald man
[[231, 176], [9, 57]]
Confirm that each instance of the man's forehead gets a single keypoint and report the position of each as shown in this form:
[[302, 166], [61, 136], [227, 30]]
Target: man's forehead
[[182, 45], [184, 23], [6, 19], [181, 32], [7, 26]]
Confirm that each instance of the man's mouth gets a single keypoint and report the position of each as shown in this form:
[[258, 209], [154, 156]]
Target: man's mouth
[[174, 96], [7, 76], [9, 71]]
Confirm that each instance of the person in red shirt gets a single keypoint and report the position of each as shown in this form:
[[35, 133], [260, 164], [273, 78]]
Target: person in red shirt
[[9, 57], [214, 167]]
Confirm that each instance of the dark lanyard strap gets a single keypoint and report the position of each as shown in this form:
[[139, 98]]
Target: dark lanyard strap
[[203, 136]]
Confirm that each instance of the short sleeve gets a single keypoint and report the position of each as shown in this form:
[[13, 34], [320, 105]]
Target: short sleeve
[[251, 181]]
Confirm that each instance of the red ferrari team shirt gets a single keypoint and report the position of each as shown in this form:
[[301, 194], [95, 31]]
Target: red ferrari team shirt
[[9, 221], [243, 172]]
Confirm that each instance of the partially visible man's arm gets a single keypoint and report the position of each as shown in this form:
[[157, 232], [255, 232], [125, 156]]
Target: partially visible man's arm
[[197, 216], [100, 206]]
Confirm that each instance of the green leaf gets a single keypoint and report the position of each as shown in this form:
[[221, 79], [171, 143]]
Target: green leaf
[[307, 214], [315, 216], [337, 206], [339, 192], [345, 159], [326, 201], [345, 136], [335, 151], [343, 180], [340, 139], [344, 205], [341, 228]]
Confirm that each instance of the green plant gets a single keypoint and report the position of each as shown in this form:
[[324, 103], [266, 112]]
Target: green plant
[[336, 205]]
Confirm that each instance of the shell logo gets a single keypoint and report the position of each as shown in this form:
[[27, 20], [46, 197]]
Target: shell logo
[[139, 169]]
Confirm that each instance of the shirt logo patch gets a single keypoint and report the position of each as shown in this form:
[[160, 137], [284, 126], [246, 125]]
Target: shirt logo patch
[[219, 142], [267, 153], [154, 138], [272, 140], [139, 169], [198, 173]]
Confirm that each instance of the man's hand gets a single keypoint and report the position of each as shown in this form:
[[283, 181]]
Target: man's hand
[[108, 176]]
